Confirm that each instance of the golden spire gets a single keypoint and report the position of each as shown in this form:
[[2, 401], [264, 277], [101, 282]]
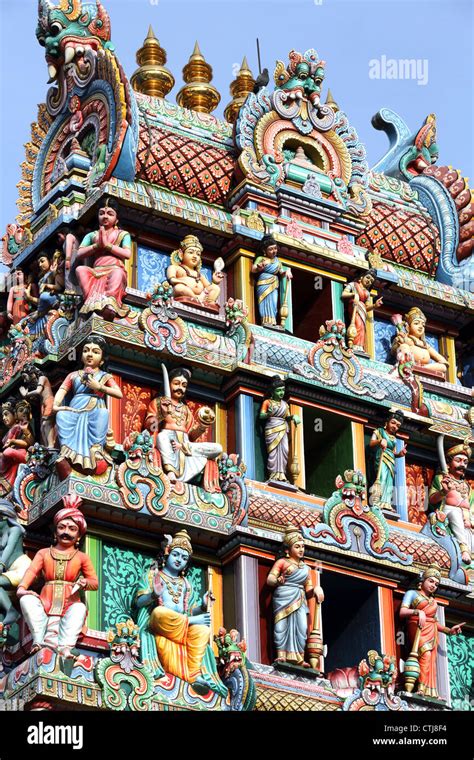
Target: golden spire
[[239, 89], [198, 94], [152, 77], [331, 102]]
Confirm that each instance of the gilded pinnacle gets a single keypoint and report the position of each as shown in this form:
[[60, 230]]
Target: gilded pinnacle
[[152, 77], [198, 94], [240, 88]]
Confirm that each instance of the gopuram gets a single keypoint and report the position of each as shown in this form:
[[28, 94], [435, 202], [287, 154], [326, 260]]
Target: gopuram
[[236, 404]]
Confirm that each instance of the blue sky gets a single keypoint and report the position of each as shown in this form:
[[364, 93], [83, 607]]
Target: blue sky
[[347, 35]]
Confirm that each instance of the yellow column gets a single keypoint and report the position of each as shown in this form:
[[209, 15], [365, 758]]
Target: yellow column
[[446, 348], [358, 446], [297, 446], [370, 331], [243, 282], [130, 266], [217, 615], [221, 425]]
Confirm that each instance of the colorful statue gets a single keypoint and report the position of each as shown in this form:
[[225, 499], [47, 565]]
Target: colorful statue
[[451, 493], [103, 285], [13, 561], [419, 610], [290, 579], [57, 615], [385, 441], [269, 269], [69, 244], [50, 284], [83, 425], [275, 411], [184, 274], [410, 340], [182, 457], [16, 417], [38, 388], [20, 296], [357, 295], [173, 635]]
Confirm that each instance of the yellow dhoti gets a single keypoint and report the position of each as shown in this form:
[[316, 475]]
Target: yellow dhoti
[[17, 570], [180, 646]]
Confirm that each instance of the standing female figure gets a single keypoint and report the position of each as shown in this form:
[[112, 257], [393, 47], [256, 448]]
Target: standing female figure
[[269, 269], [276, 413], [291, 581], [84, 424], [419, 610], [385, 441]]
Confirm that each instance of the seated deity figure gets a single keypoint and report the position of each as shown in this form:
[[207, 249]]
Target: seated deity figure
[[104, 283], [451, 493], [57, 615], [13, 561], [411, 340], [174, 637], [83, 424], [182, 457], [184, 274]]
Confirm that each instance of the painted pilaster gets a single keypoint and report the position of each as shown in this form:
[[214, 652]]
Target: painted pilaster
[[401, 484], [442, 674], [247, 604], [337, 304], [446, 348], [93, 547], [221, 425], [245, 432], [297, 445], [243, 283], [358, 446], [387, 621]]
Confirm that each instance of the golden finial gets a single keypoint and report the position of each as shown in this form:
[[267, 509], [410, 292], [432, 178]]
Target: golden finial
[[198, 94], [331, 102], [239, 89], [152, 77]]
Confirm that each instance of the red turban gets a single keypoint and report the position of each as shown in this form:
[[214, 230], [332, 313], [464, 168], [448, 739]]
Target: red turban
[[70, 513]]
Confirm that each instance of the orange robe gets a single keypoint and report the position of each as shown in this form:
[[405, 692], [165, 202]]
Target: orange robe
[[60, 576], [428, 645]]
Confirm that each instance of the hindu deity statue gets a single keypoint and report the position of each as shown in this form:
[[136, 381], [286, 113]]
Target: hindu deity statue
[[451, 493], [174, 636], [291, 581], [38, 388], [269, 271], [357, 296], [410, 340], [184, 274], [104, 283], [384, 441], [419, 609], [183, 457], [275, 412], [83, 425], [57, 615], [16, 417], [21, 291], [50, 285], [13, 561]]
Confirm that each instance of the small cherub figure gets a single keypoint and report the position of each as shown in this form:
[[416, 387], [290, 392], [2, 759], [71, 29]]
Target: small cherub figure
[[184, 274]]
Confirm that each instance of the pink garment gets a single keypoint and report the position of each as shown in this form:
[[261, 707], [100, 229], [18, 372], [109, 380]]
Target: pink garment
[[103, 285]]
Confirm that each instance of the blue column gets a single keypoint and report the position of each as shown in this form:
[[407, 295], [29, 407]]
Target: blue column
[[247, 605], [401, 483], [245, 432]]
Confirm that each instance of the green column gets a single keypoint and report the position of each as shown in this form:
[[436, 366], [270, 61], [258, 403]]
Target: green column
[[93, 548], [337, 304]]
